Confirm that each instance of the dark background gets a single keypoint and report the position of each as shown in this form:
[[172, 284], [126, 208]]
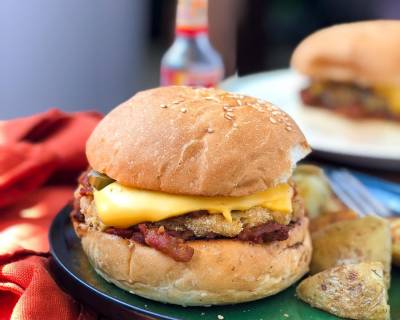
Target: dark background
[[94, 54]]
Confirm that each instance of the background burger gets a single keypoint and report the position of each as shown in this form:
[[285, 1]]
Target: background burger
[[353, 68], [189, 198]]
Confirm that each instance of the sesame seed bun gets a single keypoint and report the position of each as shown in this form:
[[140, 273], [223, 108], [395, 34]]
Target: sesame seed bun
[[196, 141], [221, 271], [361, 52]]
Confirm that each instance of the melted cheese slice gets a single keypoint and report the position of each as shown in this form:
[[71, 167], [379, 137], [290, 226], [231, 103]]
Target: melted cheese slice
[[392, 95], [121, 206]]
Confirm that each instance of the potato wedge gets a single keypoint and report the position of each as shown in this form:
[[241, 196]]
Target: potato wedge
[[313, 186], [395, 228], [328, 218], [348, 242], [355, 291]]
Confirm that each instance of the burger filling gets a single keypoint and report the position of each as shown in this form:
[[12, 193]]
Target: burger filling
[[168, 228], [353, 100]]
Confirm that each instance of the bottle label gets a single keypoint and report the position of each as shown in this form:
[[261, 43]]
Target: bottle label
[[190, 78], [191, 16]]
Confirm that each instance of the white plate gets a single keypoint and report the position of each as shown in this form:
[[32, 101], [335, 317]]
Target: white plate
[[373, 143]]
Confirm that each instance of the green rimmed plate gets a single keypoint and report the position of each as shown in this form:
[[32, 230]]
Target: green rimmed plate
[[73, 272]]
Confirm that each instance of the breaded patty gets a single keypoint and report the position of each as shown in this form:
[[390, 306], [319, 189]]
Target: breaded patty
[[203, 223]]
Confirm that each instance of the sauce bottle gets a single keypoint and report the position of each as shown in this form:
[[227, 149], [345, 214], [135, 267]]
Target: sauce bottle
[[191, 60]]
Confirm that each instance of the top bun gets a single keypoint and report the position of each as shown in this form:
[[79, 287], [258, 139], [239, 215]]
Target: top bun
[[196, 141], [366, 53]]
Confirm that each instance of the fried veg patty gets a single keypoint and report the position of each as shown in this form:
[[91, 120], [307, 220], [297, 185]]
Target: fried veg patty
[[169, 236], [201, 223], [348, 99]]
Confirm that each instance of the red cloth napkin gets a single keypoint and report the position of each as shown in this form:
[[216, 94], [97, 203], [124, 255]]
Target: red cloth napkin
[[33, 150]]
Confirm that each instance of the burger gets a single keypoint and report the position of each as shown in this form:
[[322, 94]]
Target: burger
[[189, 198], [353, 69]]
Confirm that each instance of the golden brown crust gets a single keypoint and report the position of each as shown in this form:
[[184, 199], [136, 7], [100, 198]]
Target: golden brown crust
[[355, 291], [196, 141], [362, 52], [395, 231], [353, 241], [220, 272]]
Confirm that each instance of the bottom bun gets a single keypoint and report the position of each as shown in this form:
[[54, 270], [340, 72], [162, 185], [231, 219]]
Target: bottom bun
[[220, 272]]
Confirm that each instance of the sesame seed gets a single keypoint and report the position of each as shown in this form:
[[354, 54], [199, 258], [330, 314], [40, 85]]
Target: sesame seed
[[239, 102], [235, 125], [228, 108], [229, 113], [227, 116], [289, 128], [272, 120], [286, 315], [163, 106], [275, 113], [183, 110], [178, 101], [212, 99], [220, 317], [209, 130]]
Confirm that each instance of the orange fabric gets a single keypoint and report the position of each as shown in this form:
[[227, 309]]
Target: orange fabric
[[23, 167], [34, 150], [25, 224], [28, 283]]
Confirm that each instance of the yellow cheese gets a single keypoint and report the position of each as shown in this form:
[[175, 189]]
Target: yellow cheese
[[392, 95], [122, 206]]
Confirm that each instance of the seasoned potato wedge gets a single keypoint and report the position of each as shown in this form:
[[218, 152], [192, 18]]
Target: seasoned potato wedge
[[328, 218], [324, 208], [355, 291], [347, 242], [395, 227], [314, 188]]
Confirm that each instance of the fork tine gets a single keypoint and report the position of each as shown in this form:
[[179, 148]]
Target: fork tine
[[363, 194], [342, 193], [352, 193]]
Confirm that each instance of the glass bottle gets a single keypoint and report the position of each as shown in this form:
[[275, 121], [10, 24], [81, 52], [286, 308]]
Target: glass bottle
[[191, 60]]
